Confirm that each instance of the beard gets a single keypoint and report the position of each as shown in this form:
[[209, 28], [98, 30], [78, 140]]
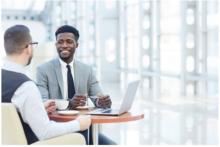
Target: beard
[[29, 61], [66, 56]]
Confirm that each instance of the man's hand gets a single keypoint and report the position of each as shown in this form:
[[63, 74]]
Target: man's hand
[[77, 100], [104, 101], [84, 121], [50, 106]]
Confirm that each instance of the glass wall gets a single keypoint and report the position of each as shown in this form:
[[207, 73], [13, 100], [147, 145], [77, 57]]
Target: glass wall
[[161, 42], [172, 46]]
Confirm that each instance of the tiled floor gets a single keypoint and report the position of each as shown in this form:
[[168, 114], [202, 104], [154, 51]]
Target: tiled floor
[[167, 121]]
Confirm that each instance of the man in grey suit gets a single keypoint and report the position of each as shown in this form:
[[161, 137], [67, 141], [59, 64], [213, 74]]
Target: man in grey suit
[[67, 78], [51, 84]]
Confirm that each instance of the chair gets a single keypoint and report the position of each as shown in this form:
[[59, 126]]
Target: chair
[[13, 133]]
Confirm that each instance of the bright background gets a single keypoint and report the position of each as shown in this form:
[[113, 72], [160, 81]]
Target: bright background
[[172, 46]]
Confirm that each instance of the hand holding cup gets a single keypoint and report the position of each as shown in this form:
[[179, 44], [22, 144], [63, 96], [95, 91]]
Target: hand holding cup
[[50, 106]]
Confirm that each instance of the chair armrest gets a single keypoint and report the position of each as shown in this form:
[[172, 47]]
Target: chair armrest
[[68, 139]]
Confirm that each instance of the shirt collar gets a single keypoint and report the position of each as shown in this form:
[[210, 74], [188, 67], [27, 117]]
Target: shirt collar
[[13, 66]]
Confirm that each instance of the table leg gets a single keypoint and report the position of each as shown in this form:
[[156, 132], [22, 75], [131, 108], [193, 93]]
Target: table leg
[[95, 133]]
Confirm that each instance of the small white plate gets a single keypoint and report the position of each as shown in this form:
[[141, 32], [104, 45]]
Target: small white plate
[[84, 107], [68, 112]]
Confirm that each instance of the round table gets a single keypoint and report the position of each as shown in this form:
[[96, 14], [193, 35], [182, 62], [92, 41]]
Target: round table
[[97, 120]]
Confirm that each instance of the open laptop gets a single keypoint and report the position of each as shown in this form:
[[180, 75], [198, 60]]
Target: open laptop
[[125, 105]]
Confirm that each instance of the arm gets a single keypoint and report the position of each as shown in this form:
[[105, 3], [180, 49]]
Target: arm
[[32, 111], [93, 86], [42, 82], [102, 101]]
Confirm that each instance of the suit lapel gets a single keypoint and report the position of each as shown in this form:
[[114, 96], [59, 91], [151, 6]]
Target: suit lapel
[[59, 76]]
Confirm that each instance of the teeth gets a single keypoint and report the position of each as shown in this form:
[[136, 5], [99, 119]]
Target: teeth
[[64, 52]]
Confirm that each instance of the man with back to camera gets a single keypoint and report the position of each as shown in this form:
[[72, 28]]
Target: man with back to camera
[[66, 78], [18, 89]]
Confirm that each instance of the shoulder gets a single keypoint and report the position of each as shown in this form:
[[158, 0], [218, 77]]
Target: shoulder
[[28, 86], [82, 65], [48, 65], [14, 76]]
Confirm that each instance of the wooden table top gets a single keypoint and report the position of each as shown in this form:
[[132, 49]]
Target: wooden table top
[[99, 119]]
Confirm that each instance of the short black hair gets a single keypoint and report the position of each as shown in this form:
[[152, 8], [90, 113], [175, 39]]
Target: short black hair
[[16, 38], [68, 29]]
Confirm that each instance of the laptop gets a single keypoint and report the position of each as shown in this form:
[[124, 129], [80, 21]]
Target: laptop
[[125, 105]]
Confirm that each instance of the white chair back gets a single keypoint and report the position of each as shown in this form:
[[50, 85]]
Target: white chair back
[[13, 133], [12, 130]]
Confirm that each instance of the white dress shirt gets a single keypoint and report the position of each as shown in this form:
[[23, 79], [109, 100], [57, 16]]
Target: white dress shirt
[[27, 100], [64, 75]]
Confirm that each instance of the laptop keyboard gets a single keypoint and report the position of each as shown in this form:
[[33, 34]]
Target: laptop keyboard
[[107, 111]]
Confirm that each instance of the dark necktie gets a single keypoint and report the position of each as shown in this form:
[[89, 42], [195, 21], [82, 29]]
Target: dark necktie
[[70, 84]]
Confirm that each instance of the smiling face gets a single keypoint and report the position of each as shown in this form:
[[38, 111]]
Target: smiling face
[[66, 45]]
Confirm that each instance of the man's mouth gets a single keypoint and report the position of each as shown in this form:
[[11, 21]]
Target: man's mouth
[[64, 53]]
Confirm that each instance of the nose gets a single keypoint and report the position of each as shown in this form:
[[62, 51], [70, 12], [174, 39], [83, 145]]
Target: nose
[[64, 45]]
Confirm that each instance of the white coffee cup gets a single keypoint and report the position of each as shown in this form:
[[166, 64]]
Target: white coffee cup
[[61, 104]]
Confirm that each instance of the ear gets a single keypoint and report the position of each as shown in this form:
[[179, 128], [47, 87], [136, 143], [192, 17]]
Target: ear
[[28, 50], [25, 50], [77, 44]]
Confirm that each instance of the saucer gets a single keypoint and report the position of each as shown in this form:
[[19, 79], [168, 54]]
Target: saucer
[[68, 112], [84, 107]]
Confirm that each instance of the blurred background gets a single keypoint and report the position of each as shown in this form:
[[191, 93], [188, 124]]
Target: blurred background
[[172, 46]]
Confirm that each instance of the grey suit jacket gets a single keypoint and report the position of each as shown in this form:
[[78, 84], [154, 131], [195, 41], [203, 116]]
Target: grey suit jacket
[[50, 81]]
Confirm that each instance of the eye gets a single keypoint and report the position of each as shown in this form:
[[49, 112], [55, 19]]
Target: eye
[[70, 41], [60, 41]]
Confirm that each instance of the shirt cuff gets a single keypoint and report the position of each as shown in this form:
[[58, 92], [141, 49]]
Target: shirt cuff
[[96, 103]]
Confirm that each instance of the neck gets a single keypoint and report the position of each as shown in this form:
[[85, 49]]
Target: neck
[[67, 61], [17, 59]]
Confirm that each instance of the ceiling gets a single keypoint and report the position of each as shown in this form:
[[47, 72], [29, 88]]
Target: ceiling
[[29, 5]]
